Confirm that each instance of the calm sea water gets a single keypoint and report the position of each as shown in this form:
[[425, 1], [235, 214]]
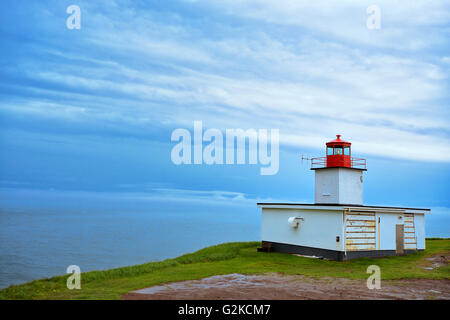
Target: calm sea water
[[42, 233], [39, 243]]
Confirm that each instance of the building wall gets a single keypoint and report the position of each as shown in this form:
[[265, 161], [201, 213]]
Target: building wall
[[388, 221], [319, 228], [338, 186], [350, 186], [419, 221], [327, 185]]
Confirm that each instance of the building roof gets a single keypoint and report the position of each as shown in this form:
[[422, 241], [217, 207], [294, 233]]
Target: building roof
[[338, 141], [287, 204]]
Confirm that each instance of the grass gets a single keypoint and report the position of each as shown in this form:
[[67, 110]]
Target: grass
[[236, 257]]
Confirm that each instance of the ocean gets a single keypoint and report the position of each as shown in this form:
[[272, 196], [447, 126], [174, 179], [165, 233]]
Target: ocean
[[43, 242]]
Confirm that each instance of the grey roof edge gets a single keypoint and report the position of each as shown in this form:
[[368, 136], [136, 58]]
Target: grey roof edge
[[351, 168], [333, 205]]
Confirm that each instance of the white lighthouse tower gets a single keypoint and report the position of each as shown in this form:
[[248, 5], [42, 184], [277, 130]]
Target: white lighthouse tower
[[338, 176]]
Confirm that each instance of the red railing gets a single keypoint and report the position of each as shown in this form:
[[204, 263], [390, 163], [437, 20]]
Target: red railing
[[358, 163], [318, 162]]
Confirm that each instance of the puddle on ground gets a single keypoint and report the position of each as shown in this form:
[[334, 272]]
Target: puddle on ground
[[437, 261], [217, 282]]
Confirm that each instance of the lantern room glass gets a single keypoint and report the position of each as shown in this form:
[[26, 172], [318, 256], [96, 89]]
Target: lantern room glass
[[346, 151], [338, 150]]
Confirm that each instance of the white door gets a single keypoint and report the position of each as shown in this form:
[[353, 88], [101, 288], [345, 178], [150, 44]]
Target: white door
[[360, 231]]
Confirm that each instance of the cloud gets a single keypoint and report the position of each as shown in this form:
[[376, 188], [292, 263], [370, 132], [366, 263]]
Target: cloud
[[405, 25], [322, 73], [168, 195]]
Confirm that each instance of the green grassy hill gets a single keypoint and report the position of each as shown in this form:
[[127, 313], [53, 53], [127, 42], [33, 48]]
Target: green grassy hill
[[237, 257]]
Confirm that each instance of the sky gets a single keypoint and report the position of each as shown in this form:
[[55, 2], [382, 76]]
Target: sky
[[89, 112]]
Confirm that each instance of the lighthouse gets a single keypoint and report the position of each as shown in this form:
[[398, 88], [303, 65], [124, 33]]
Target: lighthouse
[[338, 176], [338, 226]]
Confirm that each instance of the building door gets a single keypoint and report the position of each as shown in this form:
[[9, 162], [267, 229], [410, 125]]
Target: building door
[[399, 239], [360, 231]]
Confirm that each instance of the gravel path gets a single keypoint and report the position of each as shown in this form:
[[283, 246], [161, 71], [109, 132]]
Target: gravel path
[[284, 287]]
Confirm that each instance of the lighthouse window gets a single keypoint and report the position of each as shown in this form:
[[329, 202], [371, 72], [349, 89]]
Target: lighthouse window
[[329, 151], [347, 151], [338, 150]]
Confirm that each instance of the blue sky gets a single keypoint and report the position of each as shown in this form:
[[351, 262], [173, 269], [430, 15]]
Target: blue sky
[[91, 111]]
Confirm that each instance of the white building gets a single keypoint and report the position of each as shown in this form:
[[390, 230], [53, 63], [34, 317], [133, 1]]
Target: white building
[[338, 226]]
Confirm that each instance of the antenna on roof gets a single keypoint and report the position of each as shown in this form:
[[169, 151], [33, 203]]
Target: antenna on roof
[[307, 158]]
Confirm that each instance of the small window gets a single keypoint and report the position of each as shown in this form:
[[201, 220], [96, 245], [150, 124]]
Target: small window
[[338, 150], [347, 151], [329, 151]]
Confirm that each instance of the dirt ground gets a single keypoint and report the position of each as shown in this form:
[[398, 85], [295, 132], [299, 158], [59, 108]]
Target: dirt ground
[[437, 261], [284, 287]]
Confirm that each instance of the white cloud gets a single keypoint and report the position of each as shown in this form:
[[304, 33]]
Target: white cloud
[[385, 101], [405, 24], [212, 197]]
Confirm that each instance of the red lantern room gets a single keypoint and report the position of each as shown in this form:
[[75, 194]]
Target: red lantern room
[[339, 154]]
